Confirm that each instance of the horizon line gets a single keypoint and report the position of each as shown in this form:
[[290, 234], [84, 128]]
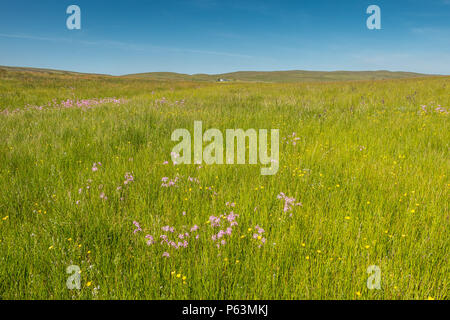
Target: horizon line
[[217, 74]]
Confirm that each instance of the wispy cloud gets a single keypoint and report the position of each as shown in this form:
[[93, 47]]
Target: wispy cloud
[[124, 45]]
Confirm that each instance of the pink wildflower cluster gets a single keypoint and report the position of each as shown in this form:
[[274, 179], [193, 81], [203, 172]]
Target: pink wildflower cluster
[[166, 182], [176, 245], [216, 222], [288, 202], [169, 238], [164, 101], [96, 165], [69, 103], [291, 139], [259, 235], [128, 178], [138, 227], [150, 240], [89, 103], [161, 101], [437, 109], [191, 179]]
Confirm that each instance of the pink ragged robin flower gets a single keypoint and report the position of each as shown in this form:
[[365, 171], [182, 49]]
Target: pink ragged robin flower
[[138, 227]]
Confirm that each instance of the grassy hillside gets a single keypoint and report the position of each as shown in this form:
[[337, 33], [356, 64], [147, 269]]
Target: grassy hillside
[[283, 76], [246, 76], [85, 167]]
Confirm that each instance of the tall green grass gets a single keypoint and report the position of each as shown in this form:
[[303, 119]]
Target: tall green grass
[[370, 168]]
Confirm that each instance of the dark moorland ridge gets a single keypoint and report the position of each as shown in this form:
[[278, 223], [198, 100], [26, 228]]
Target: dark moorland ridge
[[247, 76]]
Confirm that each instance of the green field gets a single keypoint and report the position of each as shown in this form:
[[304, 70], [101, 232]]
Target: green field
[[369, 161]]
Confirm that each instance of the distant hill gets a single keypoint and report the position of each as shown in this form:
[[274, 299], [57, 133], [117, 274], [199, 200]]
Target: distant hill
[[247, 76], [44, 71], [282, 76]]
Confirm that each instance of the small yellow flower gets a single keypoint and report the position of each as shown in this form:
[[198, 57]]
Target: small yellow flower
[[88, 284], [178, 275], [347, 218], [243, 236], [172, 273], [50, 248], [303, 244], [183, 278], [70, 239], [259, 237], [367, 247], [237, 261], [307, 257], [89, 252], [430, 298], [358, 293], [5, 218], [249, 229], [79, 246], [226, 259]]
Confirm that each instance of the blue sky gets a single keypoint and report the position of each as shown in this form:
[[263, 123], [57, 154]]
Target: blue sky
[[215, 36]]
